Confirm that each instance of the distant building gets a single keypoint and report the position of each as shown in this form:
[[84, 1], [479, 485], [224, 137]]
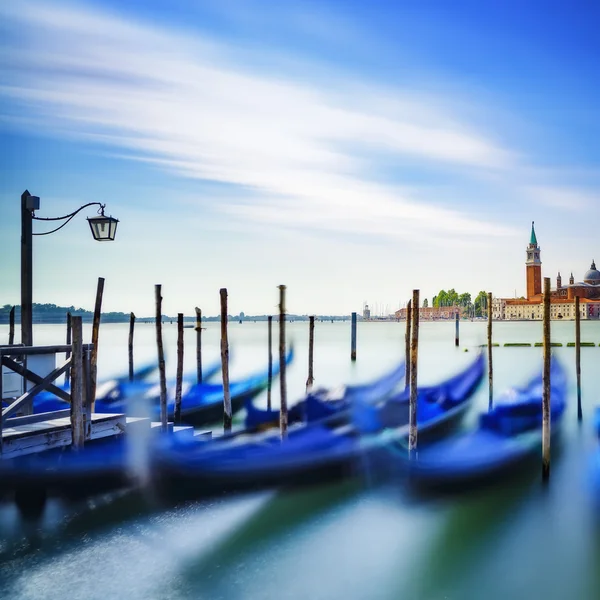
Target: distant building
[[562, 299], [432, 313], [366, 312]]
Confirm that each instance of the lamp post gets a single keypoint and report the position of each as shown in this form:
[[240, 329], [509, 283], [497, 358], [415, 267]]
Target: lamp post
[[103, 229]]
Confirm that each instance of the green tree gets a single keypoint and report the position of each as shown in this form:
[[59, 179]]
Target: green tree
[[465, 299], [480, 304], [425, 303]]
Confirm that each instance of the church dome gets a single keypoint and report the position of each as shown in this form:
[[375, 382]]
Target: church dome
[[593, 275]]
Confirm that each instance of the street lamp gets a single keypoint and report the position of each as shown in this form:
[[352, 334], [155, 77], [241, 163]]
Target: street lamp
[[103, 229]]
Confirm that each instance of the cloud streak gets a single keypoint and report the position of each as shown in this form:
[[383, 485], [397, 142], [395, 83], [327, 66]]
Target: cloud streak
[[191, 106]]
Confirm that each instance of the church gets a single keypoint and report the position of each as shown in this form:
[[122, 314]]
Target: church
[[562, 300]]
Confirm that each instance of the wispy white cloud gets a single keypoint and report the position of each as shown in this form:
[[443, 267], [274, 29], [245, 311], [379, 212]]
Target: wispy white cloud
[[189, 106], [566, 198]]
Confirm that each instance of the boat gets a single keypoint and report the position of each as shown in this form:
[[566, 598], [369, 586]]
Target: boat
[[325, 404], [201, 403], [507, 439], [114, 392], [310, 453], [187, 464]]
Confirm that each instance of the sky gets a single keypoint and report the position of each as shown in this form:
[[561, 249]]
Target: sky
[[353, 151]]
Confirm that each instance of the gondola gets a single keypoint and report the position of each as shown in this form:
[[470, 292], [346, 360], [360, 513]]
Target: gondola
[[241, 460], [507, 439], [311, 453], [325, 404], [201, 404]]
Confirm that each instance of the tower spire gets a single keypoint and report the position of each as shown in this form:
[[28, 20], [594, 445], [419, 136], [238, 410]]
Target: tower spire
[[533, 239]]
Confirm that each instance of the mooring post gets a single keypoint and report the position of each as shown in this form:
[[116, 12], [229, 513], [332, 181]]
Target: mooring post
[[283, 411], [161, 358], [77, 427], [407, 345], [578, 356], [270, 371], [546, 385], [414, 355], [353, 338], [198, 345], [227, 414], [11, 326], [311, 344], [179, 374], [130, 345], [456, 328], [68, 354], [490, 365], [95, 335]]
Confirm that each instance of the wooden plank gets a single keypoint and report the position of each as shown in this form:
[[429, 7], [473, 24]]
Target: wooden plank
[[93, 374], [31, 376], [31, 350], [42, 385], [14, 421], [56, 433]]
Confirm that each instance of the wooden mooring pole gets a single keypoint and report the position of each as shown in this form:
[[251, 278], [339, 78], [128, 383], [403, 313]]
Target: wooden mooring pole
[[311, 345], [95, 335], [578, 356], [407, 345], [414, 355], [77, 385], [490, 364], [11, 326], [353, 338], [227, 414], [198, 345], [130, 345], [283, 410], [179, 374], [456, 327], [546, 385], [270, 371], [161, 358], [67, 354]]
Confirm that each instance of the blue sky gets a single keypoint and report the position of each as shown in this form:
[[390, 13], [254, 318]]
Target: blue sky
[[353, 151]]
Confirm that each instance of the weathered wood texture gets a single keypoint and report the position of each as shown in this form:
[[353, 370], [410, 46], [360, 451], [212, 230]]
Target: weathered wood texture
[[198, 345], [161, 358], [95, 336], [179, 374], [77, 429], [414, 355], [22, 437], [407, 344], [11, 326], [130, 344], [69, 341], [283, 409], [489, 350], [270, 368], [353, 337], [546, 384], [227, 412], [578, 356], [311, 345]]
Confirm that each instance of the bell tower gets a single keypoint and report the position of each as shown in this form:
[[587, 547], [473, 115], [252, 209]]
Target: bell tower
[[533, 266]]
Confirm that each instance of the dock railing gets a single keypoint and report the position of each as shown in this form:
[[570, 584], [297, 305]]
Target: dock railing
[[14, 357]]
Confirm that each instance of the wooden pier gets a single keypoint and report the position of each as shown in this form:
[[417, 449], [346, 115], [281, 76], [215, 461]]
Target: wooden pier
[[48, 431]]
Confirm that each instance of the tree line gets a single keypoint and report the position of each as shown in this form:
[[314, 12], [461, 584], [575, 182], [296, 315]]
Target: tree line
[[453, 298]]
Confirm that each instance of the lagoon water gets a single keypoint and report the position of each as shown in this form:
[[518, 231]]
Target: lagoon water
[[353, 539]]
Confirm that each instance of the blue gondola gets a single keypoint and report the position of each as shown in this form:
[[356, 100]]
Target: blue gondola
[[325, 403], [112, 391], [506, 438], [311, 452]]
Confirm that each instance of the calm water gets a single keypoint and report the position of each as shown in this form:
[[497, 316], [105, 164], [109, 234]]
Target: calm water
[[346, 540]]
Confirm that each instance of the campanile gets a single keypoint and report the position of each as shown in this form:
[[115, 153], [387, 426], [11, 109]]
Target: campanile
[[533, 266]]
